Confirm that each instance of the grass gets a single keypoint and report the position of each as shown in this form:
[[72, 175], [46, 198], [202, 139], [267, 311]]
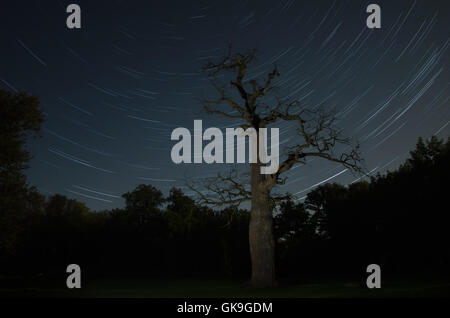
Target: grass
[[204, 288]]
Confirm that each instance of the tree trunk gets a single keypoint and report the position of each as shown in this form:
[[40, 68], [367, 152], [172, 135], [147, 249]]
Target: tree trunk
[[262, 245]]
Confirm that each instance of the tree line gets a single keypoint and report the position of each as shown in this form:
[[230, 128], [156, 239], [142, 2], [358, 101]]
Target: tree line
[[398, 220]]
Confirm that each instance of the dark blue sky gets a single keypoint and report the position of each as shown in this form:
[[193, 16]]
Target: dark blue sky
[[113, 91]]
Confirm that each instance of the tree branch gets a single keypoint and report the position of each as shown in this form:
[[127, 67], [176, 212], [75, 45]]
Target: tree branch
[[320, 138], [222, 190]]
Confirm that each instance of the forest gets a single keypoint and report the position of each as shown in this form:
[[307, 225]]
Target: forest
[[398, 220]]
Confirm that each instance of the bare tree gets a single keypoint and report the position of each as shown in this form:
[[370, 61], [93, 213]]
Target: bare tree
[[317, 137]]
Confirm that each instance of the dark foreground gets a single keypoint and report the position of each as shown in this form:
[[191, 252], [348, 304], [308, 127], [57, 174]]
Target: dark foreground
[[203, 288]]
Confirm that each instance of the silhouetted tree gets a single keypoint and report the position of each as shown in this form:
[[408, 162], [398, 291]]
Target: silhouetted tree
[[317, 137], [143, 203], [20, 118]]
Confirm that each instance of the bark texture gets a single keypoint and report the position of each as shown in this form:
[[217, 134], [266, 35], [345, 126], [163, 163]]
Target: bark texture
[[262, 244]]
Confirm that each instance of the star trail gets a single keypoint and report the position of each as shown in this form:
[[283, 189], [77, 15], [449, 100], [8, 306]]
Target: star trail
[[113, 91]]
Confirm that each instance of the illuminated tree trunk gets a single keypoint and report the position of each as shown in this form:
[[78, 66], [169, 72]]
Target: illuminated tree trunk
[[317, 137], [262, 245]]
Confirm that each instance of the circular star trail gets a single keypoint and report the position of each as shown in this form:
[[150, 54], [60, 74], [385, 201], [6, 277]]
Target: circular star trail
[[113, 90]]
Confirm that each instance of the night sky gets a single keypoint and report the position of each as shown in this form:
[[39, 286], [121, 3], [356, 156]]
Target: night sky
[[113, 91]]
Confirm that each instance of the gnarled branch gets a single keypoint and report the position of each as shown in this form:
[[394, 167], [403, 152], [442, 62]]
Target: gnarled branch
[[221, 190]]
